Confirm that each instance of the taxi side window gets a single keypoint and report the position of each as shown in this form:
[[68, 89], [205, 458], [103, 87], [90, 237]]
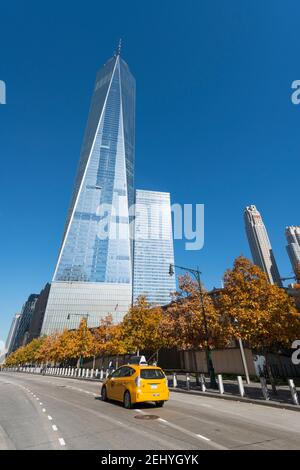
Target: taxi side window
[[116, 373], [129, 372], [126, 371]]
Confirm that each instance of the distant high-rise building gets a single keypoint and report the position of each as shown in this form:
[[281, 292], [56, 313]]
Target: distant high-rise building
[[292, 234], [38, 314], [22, 332], [153, 247], [12, 333], [93, 274], [260, 245]]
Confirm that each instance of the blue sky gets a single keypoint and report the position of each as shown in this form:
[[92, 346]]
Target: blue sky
[[215, 123]]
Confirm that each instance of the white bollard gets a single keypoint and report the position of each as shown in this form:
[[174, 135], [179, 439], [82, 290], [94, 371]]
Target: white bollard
[[101, 374], [72, 372], [79, 373], [83, 373], [174, 380], [188, 381], [203, 385], [264, 388], [293, 392], [220, 382], [241, 385], [92, 373], [87, 373]]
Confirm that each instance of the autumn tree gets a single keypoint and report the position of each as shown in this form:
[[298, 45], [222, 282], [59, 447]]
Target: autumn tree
[[82, 342], [142, 327], [184, 323], [254, 310]]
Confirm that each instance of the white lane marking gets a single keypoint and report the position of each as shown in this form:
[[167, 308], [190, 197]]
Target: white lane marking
[[50, 418], [203, 437], [44, 410], [61, 441], [54, 427], [192, 434]]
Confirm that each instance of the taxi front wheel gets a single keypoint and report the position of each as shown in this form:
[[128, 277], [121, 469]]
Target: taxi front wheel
[[104, 393], [159, 404], [127, 400]]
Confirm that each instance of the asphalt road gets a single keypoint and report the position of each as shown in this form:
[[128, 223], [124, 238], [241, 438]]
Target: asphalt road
[[44, 412]]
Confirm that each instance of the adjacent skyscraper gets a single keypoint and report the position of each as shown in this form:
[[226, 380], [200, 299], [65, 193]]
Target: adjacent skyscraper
[[260, 245], [22, 332], [38, 314], [9, 345], [93, 274], [153, 247], [293, 248]]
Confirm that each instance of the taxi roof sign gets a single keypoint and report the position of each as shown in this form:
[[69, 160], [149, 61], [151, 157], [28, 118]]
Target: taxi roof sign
[[138, 360]]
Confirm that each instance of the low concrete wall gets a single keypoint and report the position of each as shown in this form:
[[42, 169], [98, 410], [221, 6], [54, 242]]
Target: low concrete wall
[[225, 361]]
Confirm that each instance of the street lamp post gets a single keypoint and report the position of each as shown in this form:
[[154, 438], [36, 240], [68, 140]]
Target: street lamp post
[[86, 316], [210, 368]]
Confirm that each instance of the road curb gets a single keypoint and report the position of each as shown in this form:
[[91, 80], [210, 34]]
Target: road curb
[[271, 404]]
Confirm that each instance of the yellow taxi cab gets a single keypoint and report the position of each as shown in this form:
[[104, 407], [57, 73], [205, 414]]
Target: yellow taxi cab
[[136, 382]]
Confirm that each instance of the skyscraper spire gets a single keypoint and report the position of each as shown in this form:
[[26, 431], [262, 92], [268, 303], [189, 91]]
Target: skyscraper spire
[[119, 47]]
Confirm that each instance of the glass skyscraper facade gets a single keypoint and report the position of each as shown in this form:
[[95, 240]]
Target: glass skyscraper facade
[[292, 234], [22, 332], [153, 247], [100, 268], [104, 188], [93, 274]]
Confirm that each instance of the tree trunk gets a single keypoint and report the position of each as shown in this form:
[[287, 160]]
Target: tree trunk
[[269, 371]]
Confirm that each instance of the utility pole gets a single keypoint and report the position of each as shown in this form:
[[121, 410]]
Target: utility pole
[[197, 275]]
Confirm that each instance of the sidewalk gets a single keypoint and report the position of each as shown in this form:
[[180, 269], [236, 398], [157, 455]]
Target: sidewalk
[[253, 392]]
